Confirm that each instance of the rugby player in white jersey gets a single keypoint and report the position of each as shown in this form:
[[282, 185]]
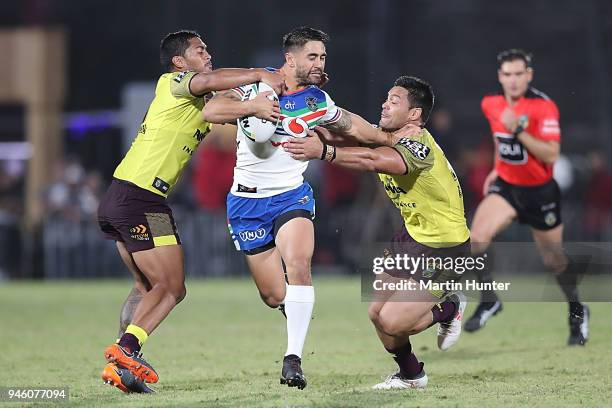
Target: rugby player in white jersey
[[270, 208]]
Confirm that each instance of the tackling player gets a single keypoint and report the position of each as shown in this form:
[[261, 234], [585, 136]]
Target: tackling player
[[134, 212], [421, 183], [270, 208], [525, 127]]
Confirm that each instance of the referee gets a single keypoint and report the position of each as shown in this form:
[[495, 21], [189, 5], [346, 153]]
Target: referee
[[525, 127]]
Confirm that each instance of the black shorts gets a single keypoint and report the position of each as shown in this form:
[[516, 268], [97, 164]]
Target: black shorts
[[437, 270], [538, 206], [138, 217]]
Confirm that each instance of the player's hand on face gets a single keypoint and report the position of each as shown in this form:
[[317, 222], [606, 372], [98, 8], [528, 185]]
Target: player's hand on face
[[305, 148], [408, 130], [275, 79], [509, 119], [265, 108], [324, 79]]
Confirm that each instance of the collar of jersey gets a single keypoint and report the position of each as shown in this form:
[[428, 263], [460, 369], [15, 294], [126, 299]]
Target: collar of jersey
[[298, 91]]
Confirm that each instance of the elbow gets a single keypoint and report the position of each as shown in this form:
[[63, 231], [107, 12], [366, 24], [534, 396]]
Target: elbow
[[551, 158]]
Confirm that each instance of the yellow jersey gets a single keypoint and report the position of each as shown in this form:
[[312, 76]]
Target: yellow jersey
[[429, 195], [170, 133]]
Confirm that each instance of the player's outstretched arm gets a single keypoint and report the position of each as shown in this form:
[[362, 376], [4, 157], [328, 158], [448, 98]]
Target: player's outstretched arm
[[227, 78], [226, 107], [381, 159], [357, 128]]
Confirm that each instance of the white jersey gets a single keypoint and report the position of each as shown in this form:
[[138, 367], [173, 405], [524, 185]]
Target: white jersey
[[266, 169]]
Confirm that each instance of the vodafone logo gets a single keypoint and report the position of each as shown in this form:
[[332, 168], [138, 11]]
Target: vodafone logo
[[295, 126]]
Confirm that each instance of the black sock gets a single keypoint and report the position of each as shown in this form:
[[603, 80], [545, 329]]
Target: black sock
[[568, 281], [443, 312], [129, 342], [409, 365], [484, 276]]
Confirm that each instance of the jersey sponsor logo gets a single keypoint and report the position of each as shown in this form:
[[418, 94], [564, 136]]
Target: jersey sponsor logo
[[139, 233], [407, 205], [296, 127], [311, 103], [550, 219], [180, 76], [245, 189], [198, 135], [252, 235], [161, 185], [392, 188], [418, 149], [510, 149], [550, 126]]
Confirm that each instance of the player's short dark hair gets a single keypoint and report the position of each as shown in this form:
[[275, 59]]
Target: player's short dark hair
[[299, 36], [420, 94], [514, 54], [174, 44]]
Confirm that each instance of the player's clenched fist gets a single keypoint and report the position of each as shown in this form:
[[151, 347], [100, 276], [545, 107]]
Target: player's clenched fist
[[275, 79]]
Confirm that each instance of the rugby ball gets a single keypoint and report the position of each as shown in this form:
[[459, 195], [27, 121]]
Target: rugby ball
[[256, 129]]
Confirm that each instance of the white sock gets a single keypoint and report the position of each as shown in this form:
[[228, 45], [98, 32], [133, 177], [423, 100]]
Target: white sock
[[299, 301]]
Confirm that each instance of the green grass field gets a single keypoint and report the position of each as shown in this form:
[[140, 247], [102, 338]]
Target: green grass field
[[222, 347]]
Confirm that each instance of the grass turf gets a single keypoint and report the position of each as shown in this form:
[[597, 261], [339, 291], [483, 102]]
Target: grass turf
[[222, 347]]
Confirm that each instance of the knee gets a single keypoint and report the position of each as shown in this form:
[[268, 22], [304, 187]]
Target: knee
[[272, 299], [373, 314], [390, 325], [299, 268], [180, 293], [141, 287], [299, 264], [480, 239], [177, 291], [394, 326], [554, 262]]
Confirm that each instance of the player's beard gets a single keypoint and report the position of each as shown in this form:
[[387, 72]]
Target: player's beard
[[385, 128], [302, 77], [390, 130]]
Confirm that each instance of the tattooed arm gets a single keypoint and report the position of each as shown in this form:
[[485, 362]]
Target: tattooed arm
[[356, 127]]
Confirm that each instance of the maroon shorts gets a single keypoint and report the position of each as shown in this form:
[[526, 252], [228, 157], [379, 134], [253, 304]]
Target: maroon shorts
[[137, 217], [439, 265]]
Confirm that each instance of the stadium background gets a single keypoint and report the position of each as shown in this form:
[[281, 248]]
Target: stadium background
[[85, 116], [111, 61]]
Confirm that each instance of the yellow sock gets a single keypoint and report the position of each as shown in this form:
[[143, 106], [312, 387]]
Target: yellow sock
[[139, 333]]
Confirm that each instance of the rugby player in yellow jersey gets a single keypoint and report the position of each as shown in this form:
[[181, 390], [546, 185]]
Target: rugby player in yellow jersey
[[134, 212], [422, 184]]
